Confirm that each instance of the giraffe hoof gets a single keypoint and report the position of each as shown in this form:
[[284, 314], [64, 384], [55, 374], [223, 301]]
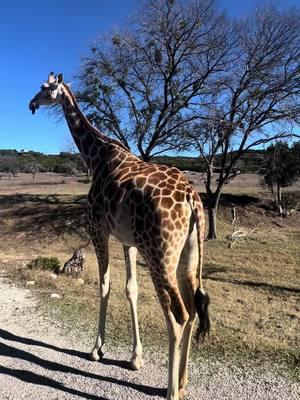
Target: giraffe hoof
[[95, 355], [182, 393], [137, 363]]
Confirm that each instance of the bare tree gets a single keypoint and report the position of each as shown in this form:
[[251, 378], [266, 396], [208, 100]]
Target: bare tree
[[257, 102], [144, 85], [70, 147], [34, 170]]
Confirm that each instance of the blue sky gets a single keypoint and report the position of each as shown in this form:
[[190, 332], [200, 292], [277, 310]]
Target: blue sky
[[37, 37]]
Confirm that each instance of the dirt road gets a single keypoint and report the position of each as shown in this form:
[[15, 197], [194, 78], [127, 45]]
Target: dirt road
[[36, 362]]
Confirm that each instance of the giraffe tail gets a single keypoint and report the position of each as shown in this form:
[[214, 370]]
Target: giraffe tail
[[202, 299], [201, 303]]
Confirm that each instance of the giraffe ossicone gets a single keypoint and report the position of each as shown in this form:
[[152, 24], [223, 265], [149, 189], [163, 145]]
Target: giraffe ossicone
[[150, 208]]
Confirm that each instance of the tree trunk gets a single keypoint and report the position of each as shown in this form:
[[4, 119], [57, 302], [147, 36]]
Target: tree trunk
[[279, 194], [273, 193], [213, 205], [279, 200], [146, 157], [88, 174]]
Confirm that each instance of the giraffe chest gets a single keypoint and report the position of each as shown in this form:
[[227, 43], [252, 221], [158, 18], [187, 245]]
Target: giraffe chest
[[115, 215], [121, 226]]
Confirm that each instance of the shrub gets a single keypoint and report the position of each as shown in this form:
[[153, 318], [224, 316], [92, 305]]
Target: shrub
[[45, 263], [84, 180]]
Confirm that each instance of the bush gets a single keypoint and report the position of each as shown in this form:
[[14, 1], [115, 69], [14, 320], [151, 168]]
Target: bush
[[84, 180], [45, 263], [290, 201]]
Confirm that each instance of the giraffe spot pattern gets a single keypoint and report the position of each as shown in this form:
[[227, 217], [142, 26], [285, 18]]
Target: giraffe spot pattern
[[158, 199]]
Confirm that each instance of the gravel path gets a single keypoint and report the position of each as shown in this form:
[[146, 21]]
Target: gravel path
[[36, 362]]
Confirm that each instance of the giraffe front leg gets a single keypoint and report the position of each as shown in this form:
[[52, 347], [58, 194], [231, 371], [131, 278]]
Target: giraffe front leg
[[101, 248], [132, 294]]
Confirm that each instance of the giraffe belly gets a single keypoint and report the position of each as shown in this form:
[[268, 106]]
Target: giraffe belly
[[122, 227]]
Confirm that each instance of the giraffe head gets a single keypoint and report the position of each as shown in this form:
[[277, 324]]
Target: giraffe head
[[50, 92]]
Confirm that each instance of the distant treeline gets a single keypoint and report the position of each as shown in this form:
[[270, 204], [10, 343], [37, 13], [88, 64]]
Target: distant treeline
[[12, 161], [250, 162], [70, 164]]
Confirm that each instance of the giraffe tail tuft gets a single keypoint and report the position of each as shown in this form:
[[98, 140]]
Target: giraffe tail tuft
[[201, 303]]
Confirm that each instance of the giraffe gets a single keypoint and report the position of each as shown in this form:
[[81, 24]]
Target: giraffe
[[151, 209]]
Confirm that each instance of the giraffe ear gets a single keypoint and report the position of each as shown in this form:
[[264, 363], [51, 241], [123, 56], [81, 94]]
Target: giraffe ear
[[51, 78], [60, 78]]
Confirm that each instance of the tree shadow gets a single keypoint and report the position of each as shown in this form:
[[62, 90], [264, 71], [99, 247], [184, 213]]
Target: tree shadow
[[262, 285], [10, 199], [228, 199], [10, 351], [210, 269], [42, 183], [43, 216]]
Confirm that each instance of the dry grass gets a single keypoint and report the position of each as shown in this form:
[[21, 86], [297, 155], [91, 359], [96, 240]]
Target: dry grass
[[254, 286]]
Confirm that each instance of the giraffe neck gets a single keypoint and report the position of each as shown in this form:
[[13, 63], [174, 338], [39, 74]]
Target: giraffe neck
[[91, 143]]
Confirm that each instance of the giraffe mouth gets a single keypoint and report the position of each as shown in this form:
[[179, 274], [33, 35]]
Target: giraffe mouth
[[33, 106]]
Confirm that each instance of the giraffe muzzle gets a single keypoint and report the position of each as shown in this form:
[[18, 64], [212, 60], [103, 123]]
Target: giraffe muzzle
[[33, 106]]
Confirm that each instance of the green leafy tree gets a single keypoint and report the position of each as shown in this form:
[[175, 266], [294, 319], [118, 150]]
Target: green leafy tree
[[280, 171], [295, 154]]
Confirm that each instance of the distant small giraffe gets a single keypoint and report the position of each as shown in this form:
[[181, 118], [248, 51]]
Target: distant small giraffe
[[148, 207]]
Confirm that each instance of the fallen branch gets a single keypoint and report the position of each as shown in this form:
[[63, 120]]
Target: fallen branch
[[237, 233]]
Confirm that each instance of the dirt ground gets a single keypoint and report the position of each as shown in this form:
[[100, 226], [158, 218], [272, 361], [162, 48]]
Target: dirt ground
[[254, 286], [38, 362], [45, 183]]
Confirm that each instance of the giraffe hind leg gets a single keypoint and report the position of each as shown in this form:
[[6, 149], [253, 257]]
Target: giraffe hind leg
[[195, 300], [186, 276], [176, 317]]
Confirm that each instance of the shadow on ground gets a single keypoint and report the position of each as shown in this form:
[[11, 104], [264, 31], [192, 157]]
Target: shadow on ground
[[40, 216], [209, 272], [31, 377], [228, 200]]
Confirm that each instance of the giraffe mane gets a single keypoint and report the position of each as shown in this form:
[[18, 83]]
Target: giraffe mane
[[95, 130]]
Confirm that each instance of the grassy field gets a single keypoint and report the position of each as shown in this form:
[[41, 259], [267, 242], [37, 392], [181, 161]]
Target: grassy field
[[254, 286]]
